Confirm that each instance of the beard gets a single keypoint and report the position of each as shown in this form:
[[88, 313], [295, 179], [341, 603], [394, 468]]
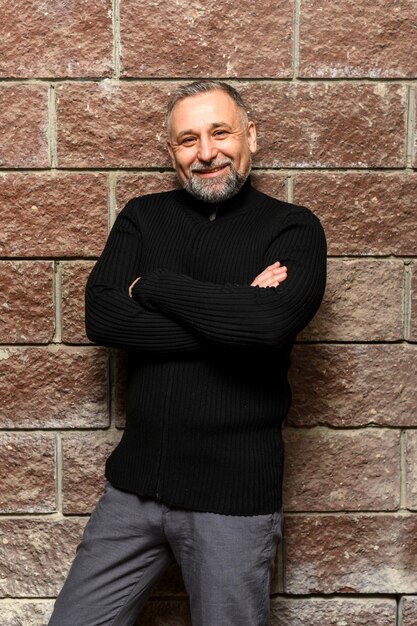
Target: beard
[[219, 188]]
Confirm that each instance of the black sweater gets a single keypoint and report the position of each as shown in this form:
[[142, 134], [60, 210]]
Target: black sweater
[[208, 353]]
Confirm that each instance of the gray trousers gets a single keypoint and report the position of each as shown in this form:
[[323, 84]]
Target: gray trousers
[[226, 562]]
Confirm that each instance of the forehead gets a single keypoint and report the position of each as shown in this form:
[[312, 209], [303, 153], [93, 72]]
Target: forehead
[[205, 109]]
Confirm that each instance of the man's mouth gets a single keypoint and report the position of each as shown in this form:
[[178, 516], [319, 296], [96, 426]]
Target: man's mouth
[[209, 172]]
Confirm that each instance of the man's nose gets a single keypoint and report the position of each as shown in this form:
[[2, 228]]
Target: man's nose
[[207, 150]]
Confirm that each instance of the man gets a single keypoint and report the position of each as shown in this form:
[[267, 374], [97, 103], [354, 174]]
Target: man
[[206, 287]]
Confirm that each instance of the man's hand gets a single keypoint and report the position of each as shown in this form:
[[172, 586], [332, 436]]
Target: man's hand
[[272, 276], [132, 285]]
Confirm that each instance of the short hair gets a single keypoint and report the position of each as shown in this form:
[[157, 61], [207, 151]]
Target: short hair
[[203, 86]]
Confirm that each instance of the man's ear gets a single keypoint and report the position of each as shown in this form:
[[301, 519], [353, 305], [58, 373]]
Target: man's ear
[[251, 132], [171, 152]]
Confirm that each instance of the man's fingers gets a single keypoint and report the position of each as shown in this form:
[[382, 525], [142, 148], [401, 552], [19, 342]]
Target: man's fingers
[[271, 276]]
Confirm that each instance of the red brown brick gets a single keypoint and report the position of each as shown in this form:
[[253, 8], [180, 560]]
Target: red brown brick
[[27, 612], [35, 555], [413, 302], [411, 470], [53, 387], [74, 278], [83, 459], [131, 185], [23, 125], [56, 39], [26, 302], [354, 39], [350, 554], [348, 313], [328, 125], [408, 611], [27, 473], [354, 385], [207, 40], [53, 215], [333, 612], [322, 467], [166, 612], [111, 124], [271, 183], [362, 213]]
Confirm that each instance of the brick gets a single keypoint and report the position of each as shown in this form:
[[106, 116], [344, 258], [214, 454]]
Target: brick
[[350, 554], [362, 213], [27, 612], [26, 302], [408, 611], [166, 612], [35, 555], [354, 39], [411, 470], [83, 459], [413, 302], [322, 467], [333, 612], [56, 39], [132, 185], [73, 281], [53, 387], [328, 125], [23, 125], [62, 215], [27, 473], [207, 40], [348, 313], [354, 385], [271, 183], [110, 124]]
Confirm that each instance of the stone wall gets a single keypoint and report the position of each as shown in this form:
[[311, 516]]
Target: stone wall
[[332, 87]]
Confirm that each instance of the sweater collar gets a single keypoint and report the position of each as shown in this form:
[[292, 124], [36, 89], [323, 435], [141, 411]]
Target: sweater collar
[[233, 206]]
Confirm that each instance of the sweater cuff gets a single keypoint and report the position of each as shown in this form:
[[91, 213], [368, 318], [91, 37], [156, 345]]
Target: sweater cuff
[[144, 289]]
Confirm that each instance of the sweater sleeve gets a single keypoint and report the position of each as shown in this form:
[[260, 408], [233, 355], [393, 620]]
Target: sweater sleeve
[[242, 315], [115, 319]]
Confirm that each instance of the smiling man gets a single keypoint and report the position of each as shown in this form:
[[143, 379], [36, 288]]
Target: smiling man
[[206, 287]]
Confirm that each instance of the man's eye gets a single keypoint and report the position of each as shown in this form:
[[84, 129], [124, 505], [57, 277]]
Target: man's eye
[[188, 141], [220, 133]]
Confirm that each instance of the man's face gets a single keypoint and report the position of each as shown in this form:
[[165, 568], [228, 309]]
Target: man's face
[[210, 145]]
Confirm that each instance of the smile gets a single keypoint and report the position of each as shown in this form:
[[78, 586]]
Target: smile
[[209, 173]]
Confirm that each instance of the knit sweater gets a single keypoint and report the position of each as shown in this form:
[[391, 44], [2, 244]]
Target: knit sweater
[[208, 353]]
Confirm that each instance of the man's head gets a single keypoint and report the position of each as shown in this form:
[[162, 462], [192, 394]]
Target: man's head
[[210, 139]]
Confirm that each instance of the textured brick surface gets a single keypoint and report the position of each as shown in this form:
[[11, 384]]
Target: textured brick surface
[[351, 554], [328, 125], [413, 310], [333, 612], [323, 465], [408, 611], [362, 213], [71, 38], [35, 555], [23, 125], [189, 35], [53, 215], [27, 472], [83, 457], [363, 302], [73, 281], [342, 385], [112, 125], [352, 39], [26, 302], [411, 470], [53, 388], [25, 612]]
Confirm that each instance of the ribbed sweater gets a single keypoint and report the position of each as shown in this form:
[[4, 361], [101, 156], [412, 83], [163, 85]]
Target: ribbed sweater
[[208, 353]]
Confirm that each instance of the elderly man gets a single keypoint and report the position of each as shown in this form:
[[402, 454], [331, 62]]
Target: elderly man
[[206, 287]]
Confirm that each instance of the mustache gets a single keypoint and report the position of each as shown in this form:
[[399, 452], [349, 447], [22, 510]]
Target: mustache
[[198, 167]]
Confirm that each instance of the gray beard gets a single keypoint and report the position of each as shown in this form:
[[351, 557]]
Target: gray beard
[[213, 190]]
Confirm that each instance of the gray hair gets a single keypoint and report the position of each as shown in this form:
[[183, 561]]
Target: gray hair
[[203, 86]]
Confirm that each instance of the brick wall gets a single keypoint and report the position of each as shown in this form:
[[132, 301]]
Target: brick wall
[[332, 86]]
